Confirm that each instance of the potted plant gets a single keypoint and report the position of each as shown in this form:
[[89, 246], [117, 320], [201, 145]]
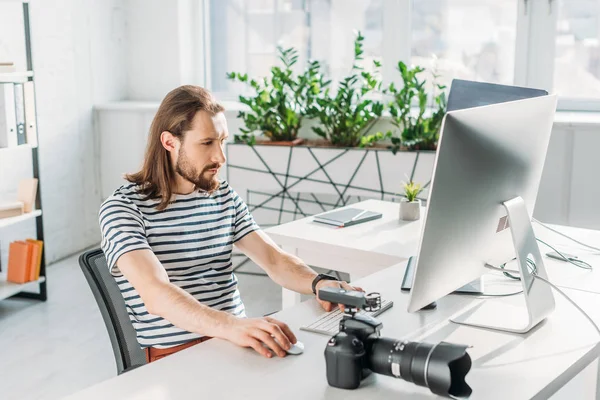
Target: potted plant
[[280, 184], [418, 122], [279, 103], [346, 117], [410, 206], [418, 132]]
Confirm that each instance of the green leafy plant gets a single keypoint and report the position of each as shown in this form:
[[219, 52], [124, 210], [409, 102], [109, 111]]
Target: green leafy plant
[[279, 102], [412, 190], [346, 117], [418, 132]]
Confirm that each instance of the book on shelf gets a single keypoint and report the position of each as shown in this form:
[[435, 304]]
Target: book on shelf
[[25, 202], [11, 209], [7, 66], [24, 261], [27, 192], [19, 262], [36, 259]]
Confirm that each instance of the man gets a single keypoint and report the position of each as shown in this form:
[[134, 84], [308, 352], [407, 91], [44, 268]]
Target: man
[[169, 234]]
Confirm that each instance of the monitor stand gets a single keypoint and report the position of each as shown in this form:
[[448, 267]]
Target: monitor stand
[[539, 300]]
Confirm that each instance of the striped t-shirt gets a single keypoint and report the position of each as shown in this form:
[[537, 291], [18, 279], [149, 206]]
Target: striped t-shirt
[[193, 239]]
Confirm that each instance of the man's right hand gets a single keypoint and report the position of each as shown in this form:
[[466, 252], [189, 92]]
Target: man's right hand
[[253, 332]]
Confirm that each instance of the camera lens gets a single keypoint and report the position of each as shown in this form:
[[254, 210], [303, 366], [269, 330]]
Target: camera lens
[[441, 367]]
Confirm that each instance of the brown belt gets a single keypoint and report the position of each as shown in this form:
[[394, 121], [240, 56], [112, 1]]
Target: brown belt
[[153, 354]]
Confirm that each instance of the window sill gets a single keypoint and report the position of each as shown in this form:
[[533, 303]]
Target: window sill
[[563, 119]]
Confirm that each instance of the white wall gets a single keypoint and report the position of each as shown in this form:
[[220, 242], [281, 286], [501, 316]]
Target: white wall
[[78, 57], [163, 47]]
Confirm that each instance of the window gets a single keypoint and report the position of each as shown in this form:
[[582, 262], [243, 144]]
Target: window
[[245, 35], [472, 40], [577, 57], [548, 44]]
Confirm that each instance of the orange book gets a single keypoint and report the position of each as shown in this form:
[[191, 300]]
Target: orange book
[[19, 261], [36, 259]]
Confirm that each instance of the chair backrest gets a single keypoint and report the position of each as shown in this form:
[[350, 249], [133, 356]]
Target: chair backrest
[[127, 351]]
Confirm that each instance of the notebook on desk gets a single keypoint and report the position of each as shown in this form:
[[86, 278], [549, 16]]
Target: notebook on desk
[[347, 217]]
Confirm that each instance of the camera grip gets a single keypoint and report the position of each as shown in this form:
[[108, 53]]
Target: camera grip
[[342, 296]]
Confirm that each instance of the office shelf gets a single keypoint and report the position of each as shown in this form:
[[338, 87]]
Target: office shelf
[[35, 289], [9, 289], [15, 77], [4, 222], [20, 147]]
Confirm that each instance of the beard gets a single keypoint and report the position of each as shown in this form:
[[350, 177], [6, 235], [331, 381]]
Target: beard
[[190, 173]]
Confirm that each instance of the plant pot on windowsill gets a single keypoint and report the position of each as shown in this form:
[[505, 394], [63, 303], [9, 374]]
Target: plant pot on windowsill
[[295, 142], [410, 210]]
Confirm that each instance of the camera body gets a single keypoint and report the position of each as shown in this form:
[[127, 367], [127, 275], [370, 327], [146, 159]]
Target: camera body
[[358, 350], [346, 354]]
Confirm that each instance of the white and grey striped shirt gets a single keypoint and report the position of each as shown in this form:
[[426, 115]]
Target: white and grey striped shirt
[[193, 239]]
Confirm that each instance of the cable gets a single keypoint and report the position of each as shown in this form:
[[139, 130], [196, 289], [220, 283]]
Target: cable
[[508, 273], [484, 295], [553, 287], [566, 236], [569, 300], [575, 261]]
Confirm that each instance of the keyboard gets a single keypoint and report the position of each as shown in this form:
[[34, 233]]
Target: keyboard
[[329, 323]]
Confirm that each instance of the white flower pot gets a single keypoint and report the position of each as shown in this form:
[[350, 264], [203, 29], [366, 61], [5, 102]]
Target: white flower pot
[[410, 210]]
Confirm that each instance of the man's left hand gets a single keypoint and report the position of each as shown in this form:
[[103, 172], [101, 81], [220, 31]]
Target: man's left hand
[[328, 306]]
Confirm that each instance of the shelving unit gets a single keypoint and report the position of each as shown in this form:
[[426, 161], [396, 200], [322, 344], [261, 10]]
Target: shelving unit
[[5, 222], [15, 77], [20, 147], [27, 290]]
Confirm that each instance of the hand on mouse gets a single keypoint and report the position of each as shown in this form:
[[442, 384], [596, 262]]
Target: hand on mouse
[[335, 284], [253, 332]]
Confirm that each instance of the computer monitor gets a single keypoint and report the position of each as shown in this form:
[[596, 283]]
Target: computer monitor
[[467, 94], [484, 186]]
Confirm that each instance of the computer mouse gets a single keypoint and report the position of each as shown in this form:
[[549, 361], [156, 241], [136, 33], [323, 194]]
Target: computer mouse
[[296, 349]]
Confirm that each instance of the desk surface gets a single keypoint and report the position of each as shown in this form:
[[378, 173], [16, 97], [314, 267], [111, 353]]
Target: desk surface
[[505, 366], [374, 245]]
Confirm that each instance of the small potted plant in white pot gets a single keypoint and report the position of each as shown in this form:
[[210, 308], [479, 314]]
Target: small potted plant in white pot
[[410, 206]]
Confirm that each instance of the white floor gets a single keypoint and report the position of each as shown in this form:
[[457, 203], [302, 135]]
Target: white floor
[[53, 349]]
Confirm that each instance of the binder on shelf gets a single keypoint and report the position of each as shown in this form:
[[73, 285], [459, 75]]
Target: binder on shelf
[[27, 193], [8, 124], [36, 259], [30, 121], [19, 262], [20, 113]]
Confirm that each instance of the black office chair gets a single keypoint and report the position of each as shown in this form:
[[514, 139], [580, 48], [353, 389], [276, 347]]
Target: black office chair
[[128, 353]]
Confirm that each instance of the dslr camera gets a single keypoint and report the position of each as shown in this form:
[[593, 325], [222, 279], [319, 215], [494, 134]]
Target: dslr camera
[[358, 350]]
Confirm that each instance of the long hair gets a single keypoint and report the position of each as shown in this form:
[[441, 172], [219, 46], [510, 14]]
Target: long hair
[[174, 115]]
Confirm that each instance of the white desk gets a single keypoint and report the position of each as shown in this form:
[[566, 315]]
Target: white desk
[[358, 250], [505, 366], [366, 248]]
